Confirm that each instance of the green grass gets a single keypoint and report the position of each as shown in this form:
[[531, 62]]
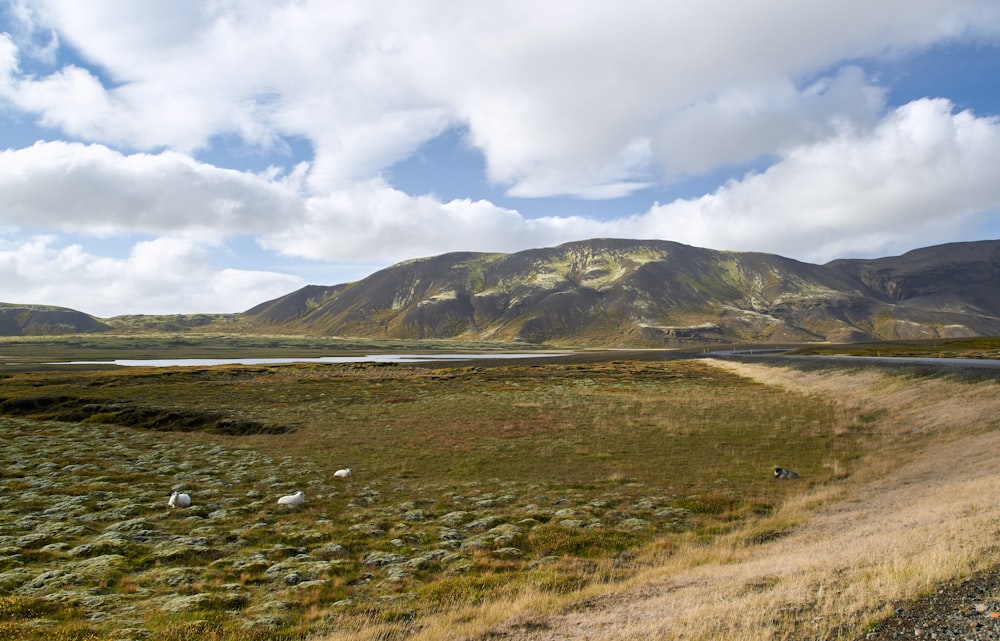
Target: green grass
[[580, 466]]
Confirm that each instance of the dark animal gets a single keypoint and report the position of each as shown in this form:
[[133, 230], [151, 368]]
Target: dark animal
[[782, 473]]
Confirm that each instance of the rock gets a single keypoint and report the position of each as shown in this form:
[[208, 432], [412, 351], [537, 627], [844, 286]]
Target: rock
[[476, 544], [51, 580], [330, 551], [382, 559], [484, 523], [416, 515], [138, 529], [113, 544], [505, 534], [173, 552], [366, 529], [187, 603], [455, 519], [172, 577], [101, 567], [14, 578], [632, 525], [571, 524], [449, 534]]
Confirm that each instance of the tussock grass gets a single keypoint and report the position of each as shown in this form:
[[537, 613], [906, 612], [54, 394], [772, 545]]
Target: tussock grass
[[829, 561], [483, 498]]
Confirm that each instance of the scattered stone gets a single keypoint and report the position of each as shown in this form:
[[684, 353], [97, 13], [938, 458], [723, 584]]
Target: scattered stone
[[633, 525], [331, 551], [187, 603], [366, 529], [381, 559], [484, 523], [416, 515], [454, 519]]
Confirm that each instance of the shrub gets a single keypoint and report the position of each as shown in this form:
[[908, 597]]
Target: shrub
[[20, 608]]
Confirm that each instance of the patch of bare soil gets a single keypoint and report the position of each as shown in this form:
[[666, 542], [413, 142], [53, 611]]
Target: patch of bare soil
[[861, 553]]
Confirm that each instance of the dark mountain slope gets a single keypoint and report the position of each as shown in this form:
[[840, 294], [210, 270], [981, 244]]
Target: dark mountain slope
[[294, 305], [956, 277], [616, 292], [611, 291]]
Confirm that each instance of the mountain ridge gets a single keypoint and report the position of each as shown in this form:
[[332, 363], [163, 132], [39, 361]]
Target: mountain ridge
[[611, 292]]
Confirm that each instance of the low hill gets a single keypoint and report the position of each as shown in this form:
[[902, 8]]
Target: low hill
[[27, 320]]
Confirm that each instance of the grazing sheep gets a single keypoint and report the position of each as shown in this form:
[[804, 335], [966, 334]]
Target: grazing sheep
[[342, 474], [782, 473], [179, 500], [299, 498]]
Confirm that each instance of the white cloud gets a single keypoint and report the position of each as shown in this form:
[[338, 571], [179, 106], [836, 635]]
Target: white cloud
[[557, 95], [94, 189], [161, 276], [375, 222], [37, 43], [923, 173], [742, 124]]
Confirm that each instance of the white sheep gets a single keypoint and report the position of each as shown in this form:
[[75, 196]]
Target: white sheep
[[299, 498], [179, 500], [342, 474]]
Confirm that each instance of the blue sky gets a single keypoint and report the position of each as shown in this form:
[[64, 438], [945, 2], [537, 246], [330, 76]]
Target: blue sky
[[172, 157]]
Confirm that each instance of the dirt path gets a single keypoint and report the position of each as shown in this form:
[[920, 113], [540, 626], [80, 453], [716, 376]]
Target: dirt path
[[930, 520]]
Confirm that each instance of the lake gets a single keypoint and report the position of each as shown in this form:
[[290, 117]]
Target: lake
[[366, 358]]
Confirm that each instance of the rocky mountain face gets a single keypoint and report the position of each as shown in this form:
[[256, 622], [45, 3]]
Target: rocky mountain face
[[610, 292], [613, 292]]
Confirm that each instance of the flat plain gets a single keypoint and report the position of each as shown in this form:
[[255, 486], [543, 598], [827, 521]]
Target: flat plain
[[480, 493]]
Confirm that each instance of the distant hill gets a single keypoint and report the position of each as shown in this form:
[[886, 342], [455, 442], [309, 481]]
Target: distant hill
[[28, 320], [608, 292], [639, 293]]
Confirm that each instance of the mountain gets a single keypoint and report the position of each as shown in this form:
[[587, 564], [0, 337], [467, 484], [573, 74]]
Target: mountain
[[23, 320], [609, 292], [614, 292]]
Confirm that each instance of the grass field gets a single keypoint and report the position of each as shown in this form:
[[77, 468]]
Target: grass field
[[979, 347], [518, 482]]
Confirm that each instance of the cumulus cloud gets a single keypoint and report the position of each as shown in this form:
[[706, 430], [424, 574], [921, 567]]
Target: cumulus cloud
[[925, 172], [161, 276], [374, 221], [744, 123], [558, 96], [922, 171], [95, 189]]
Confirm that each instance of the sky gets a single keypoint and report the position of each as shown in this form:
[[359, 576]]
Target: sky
[[204, 156]]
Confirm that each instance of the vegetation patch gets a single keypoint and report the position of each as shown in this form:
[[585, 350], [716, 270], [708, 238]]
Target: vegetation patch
[[469, 485], [87, 411]]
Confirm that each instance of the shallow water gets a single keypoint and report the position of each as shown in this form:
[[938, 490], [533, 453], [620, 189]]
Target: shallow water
[[366, 358]]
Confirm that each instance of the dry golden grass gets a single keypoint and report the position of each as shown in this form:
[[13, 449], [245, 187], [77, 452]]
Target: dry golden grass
[[922, 510]]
